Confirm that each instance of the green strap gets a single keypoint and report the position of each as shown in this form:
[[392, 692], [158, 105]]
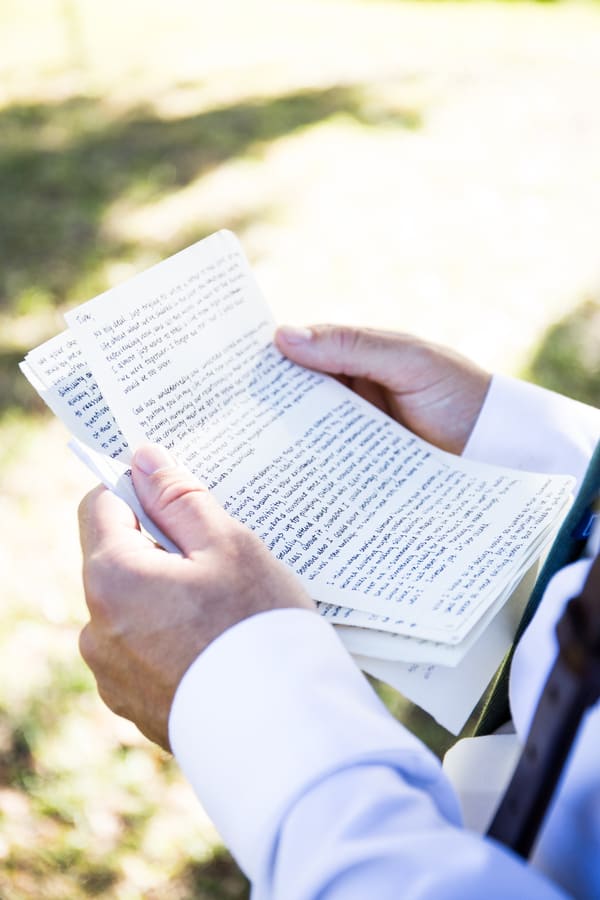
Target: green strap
[[566, 548]]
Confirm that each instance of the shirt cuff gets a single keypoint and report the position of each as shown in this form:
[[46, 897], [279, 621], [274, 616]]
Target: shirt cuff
[[530, 428], [271, 707]]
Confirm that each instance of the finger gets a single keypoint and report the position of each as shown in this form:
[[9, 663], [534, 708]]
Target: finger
[[105, 522], [175, 501], [340, 350]]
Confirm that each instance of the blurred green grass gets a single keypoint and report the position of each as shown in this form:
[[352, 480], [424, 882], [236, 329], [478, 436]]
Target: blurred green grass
[[64, 165], [87, 807], [567, 358]]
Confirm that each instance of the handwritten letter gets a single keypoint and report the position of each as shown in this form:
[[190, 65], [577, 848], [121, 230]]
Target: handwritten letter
[[369, 516]]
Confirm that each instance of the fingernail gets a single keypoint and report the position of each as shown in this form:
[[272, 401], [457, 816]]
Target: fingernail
[[152, 457], [293, 335]]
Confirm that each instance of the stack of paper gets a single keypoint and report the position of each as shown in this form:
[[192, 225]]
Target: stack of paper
[[409, 551]]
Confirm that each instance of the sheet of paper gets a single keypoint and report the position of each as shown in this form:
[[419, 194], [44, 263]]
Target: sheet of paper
[[364, 637], [61, 374], [369, 516], [450, 695], [480, 769], [368, 641]]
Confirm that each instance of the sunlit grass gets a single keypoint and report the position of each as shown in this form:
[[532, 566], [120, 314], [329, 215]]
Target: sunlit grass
[[392, 162]]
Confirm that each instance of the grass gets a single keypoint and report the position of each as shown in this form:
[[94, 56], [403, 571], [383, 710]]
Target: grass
[[567, 359], [64, 165], [316, 131]]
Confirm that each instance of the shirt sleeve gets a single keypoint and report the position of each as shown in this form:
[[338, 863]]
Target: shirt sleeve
[[530, 428], [315, 788]]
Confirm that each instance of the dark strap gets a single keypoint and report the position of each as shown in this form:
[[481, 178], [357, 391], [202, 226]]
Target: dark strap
[[571, 688], [567, 547]]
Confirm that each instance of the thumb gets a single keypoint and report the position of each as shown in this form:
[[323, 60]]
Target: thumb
[[341, 350], [175, 501]]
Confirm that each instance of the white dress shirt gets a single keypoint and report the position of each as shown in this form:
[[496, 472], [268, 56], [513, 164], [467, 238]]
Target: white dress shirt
[[319, 792]]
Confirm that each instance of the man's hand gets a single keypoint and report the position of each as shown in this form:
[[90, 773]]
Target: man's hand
[[153, 612], [433, 391]]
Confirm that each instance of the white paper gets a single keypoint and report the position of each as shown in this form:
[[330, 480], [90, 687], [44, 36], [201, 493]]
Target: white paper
[[369, 516], [451, 694], [480, 769], [365, 641], [412, 549], [62, 376]]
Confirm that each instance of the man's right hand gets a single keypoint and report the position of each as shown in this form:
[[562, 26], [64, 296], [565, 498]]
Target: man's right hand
[[433, 391]]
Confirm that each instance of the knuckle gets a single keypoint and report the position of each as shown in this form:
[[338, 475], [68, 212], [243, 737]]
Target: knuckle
[[346, 340], [98, 584], [86, 503], [93, 579], [111, 699], [82, 508], [87, 645], [180, 491]]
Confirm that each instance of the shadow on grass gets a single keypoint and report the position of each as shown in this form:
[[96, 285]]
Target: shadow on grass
[[63, 166], [15, 391], [62, 873], [61, 860], [567, 359], [215, 878]]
